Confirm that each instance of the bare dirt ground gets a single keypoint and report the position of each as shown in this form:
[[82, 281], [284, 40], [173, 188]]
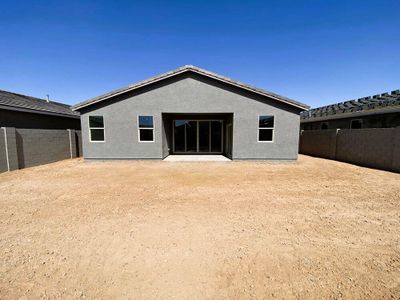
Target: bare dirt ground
[[149, 229]]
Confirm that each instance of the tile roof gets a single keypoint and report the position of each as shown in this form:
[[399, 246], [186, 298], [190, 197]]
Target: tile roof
[[381, 103], [13, 101], [190, 68]]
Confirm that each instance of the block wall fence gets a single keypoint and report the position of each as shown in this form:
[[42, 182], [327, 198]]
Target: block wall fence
[[22, 148], [377, 148]]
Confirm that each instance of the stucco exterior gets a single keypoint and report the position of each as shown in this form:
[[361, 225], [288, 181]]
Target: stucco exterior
[[193, 94]]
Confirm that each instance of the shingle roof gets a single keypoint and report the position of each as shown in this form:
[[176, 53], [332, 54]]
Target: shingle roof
[[190, 68], [15, 101], [381, 103]]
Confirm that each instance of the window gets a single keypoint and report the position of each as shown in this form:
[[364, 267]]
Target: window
[[146, 128], [96, 128], [265, 128], [324, 125], [356, 124]]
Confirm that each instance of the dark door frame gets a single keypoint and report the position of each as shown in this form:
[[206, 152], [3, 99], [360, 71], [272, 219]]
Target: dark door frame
[[197, 136]]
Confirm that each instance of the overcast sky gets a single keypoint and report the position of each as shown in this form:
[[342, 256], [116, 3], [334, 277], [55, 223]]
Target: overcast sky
[[317, 52]]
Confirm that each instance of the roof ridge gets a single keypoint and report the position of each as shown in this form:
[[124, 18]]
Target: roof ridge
[[35, 98], [11, 100]]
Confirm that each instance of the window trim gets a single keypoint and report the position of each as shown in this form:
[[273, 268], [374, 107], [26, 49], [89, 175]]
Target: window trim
[[262, 128], [361, 121], [145, 128], [90, 129]]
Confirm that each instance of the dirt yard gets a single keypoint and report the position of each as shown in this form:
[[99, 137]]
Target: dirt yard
[[149, 229]]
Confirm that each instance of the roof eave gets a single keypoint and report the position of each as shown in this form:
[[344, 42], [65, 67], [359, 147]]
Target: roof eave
[[386, 110], [34, 111], [101, 98]]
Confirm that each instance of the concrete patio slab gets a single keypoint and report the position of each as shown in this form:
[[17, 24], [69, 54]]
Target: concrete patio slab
[[196, 158]]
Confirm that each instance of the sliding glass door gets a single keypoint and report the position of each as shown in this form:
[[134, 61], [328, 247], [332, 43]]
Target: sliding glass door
[[198, 136]]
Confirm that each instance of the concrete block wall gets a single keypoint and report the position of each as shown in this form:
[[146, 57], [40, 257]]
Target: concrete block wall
[[8, 149], [396, 150], [3, 154], [41, 146], [366, 147], [373, 147], [319, 143], [78, 141], [21, 148]]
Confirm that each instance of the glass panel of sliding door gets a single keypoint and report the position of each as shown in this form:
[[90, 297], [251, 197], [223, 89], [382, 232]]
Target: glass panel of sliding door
[[216, 136], [200, 136], [191, 136], [179, 136], [204, 136]]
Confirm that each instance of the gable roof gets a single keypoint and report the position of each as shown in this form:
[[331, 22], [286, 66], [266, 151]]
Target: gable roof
[[13, 101], [189, 68], [381, 103]]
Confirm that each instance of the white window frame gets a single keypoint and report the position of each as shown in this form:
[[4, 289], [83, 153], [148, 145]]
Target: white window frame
[[261, 128], [145, 128], [361, 121], [90, 129]]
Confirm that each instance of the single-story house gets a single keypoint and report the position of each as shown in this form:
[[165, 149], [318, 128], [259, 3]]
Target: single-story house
[[21, 111], [190, 111], [378, 111]]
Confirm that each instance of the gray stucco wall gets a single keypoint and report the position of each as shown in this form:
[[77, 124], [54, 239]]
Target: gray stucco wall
[[191, 94], [166, 129]]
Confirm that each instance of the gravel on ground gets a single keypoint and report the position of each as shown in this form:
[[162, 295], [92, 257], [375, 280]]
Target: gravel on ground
[[311, 228]]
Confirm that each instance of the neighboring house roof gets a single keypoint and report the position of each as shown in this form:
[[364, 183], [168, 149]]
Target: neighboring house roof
[[377, 104], [189, 68], [18, 102]]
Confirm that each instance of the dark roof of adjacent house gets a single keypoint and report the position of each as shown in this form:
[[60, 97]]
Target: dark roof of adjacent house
[[13, 101], [376, 104], [189, 68]]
